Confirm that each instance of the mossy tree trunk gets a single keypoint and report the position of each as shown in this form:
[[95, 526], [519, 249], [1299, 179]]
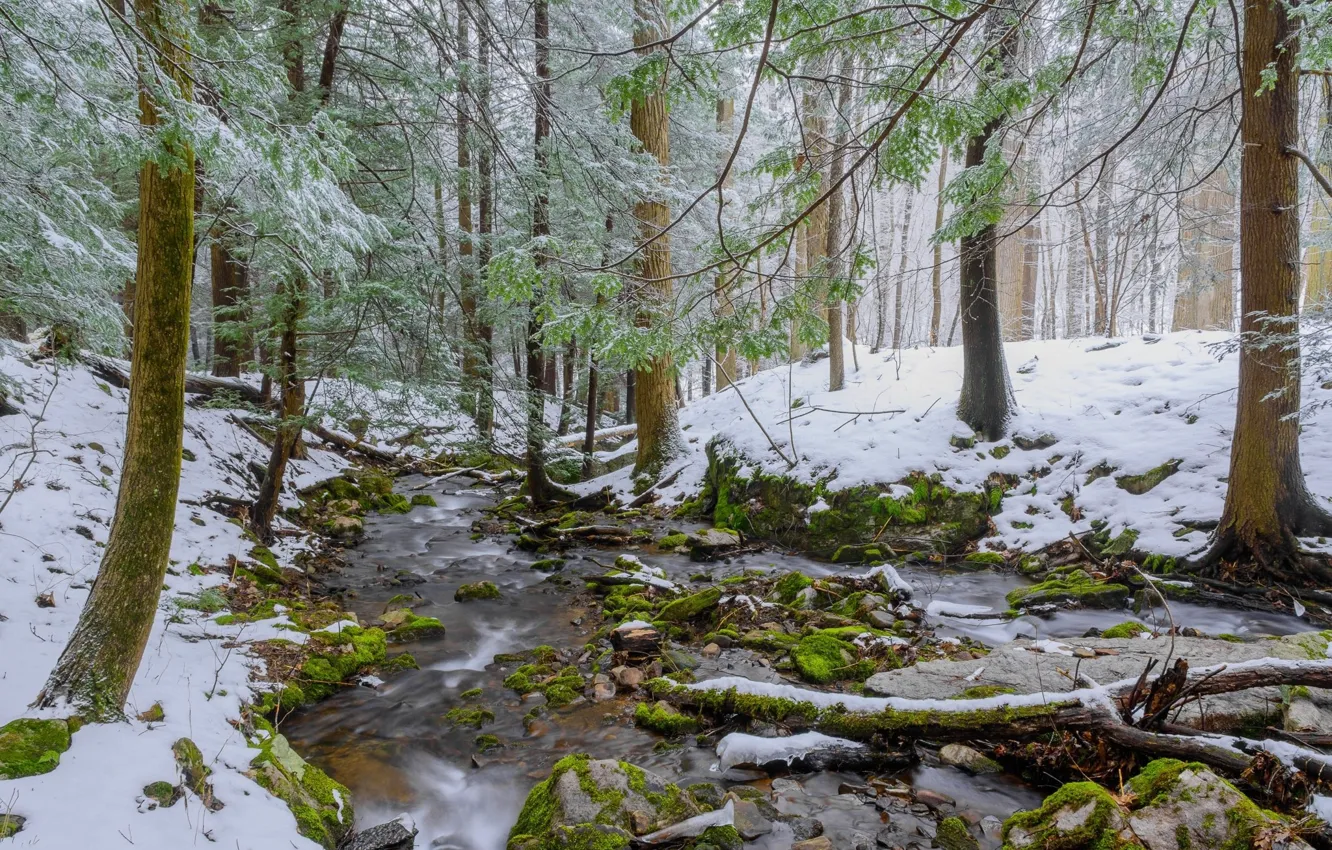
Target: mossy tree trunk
[[98, 665], [836, 245], [936, 278], [986, 403], [656, 407], [724, 286], [538, 485], [1267, 503]]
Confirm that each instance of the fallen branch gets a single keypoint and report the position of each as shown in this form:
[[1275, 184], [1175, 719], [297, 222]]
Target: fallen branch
[[650, 494], [603, 434]]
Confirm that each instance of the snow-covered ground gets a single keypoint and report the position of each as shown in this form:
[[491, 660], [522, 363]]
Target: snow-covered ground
[[1132, 408], [71, 428]]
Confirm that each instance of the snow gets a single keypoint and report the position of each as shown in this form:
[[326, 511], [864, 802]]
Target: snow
[[941, 608], [54, 528], [739, 748], [633, 624], [692, 827], [895, 581], [1133, 407]]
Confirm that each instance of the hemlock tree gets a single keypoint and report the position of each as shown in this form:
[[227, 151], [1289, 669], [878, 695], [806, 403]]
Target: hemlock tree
[[1267, 503], [986, 403], [98, 665], [538, 485], [656, 409]]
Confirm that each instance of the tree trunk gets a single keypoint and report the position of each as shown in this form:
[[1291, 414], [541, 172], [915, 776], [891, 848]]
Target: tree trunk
[[538, 485], [485, 357], [567, 397], [471, 347], [834, 246], [657, 411], [903, 256], [230, 283], [630, 402], [936, 279], [98, 665], [986, 402], [725, 281], [288, 436], [1267, 503]]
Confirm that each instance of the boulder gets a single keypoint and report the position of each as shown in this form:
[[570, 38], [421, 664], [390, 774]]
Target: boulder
[[29, 747], [344, 527], [602, 803], [476, 590], [708, 544], [323, 807], [970, 760], [11, 825], [394, 835]]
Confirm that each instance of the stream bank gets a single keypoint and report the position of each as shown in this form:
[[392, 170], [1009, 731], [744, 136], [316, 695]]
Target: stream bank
[[523, 680]]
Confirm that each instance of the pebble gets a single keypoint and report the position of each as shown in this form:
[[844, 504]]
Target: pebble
[[748, 821], [992, 827], [603, 691], [712, 650], [1084, 652], [820, 843], [932, 799]]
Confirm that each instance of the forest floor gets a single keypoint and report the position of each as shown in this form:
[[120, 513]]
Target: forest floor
[[1091, 415]]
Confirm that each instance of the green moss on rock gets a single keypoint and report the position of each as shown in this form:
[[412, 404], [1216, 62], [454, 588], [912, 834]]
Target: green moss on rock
[[476, 590], [474, 716], [1126, 629], [424, 500], [952, 834], [1091, 820], [1076, 587], [689, 607], [672, 541], [663, 718], [415, 628], [322, 806], [31, 747], [1139, 484], [823, 658]]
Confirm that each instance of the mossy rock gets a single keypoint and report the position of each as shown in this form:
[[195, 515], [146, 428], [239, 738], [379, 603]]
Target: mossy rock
[[474, 716], [673, 541], [1076, 588], [374, 483], [31, 747], [344, 527], [993, 559], [565, 470], [861, 553], [163, 793], [823, 658], [663, 718], [393, 503], [476, 590], [424, 500], [1079, 815], [413, 628], [11, 825], [194, 772], [952, 834], [335, 658], [1139, 484], [322, 807], [596, 805], [1126, 629], [341, 488], [549, 565], [690, 607]]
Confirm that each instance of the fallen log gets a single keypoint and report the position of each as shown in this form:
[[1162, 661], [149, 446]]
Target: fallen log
[[1093, 709], [349, 445], [651, 494], [603, 434], [116, 373]]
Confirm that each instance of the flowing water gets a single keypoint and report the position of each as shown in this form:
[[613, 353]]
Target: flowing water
[[389, 742]]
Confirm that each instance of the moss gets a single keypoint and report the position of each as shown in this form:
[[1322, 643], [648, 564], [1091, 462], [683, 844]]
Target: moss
[[398, 663], [424, 499], [1154, 781], [471, 693], [164, 793], [1000, 452], [1076, 587], [265, 556], [486, 743], [474, 716], [690, 607], [416, 628], [549, 565], [352, 650], [983, 691], [1139, 484], [952, 834], [1126, 629], [476, 590], [322, 806], [992, 558], [30, 747], [788, 587], [393, 503], [536, 829], [1095, 831], [208, 601], [671, 541], [768, 641], [662, 718], [154, 714], [823, 658]]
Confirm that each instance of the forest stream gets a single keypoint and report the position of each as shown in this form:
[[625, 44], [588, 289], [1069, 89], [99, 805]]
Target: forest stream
[[391, 744]]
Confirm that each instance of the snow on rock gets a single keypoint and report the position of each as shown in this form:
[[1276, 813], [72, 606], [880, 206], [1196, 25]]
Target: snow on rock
[[739, 748], [1131, 408], [65, 445], [942, 608]]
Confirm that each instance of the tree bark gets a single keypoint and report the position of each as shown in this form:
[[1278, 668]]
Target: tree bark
[[568, 394], [986, 403], [936, 280], [288, 435], [538, 485], [903, 257], [725, 281], [657, 410], [486, 200], [230, 285], [835, 247], [1267, 503], [98, 665]]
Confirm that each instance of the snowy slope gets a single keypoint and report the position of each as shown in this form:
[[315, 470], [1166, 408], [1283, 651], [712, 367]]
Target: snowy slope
[[53, 531], [1132, 407]]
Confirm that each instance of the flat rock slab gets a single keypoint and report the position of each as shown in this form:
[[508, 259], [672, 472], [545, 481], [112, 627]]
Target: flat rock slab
[[1022, 666]]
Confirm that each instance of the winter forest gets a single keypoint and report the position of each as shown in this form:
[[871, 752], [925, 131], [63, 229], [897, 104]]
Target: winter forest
[[695, 424]]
